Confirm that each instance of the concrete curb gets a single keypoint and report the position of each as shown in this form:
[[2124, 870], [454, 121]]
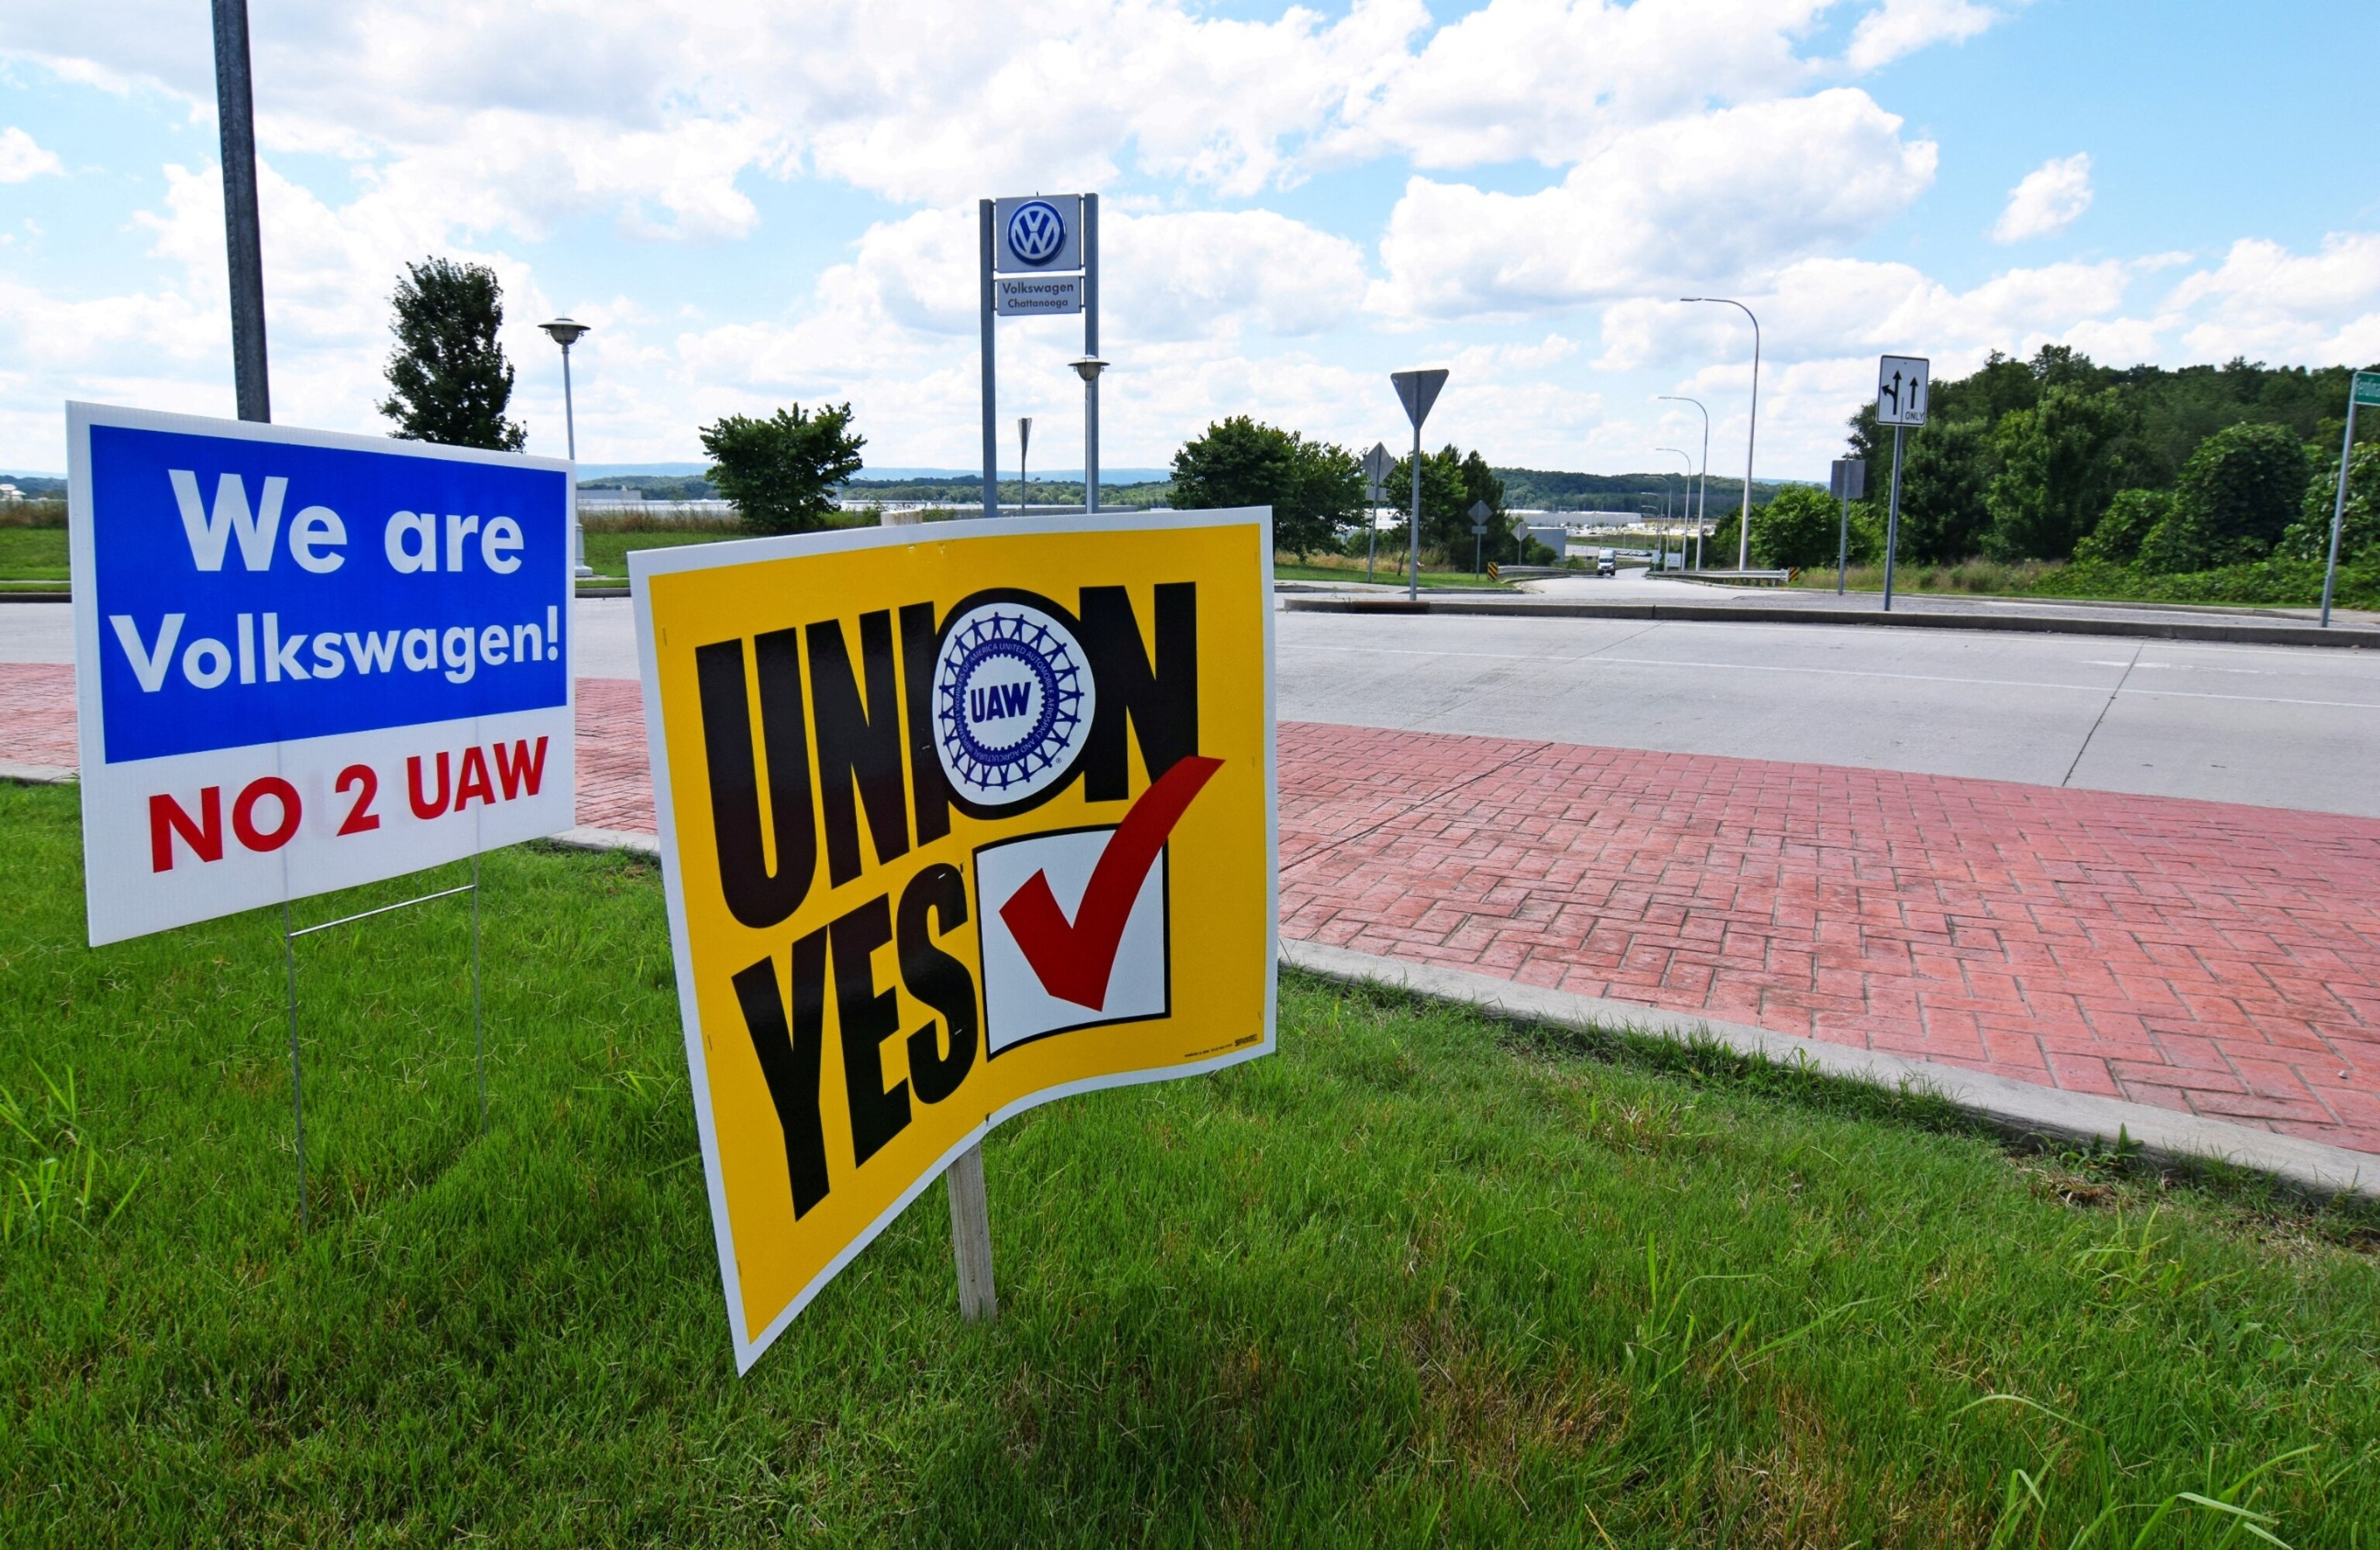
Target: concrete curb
[[609, 840], [36, 774], [2340, 636], [2018, 1108]]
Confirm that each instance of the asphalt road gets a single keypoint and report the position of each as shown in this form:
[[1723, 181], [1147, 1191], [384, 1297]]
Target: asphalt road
[[2273, 726]]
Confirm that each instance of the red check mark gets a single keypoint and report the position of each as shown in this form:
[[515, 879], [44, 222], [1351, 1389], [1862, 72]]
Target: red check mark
[[1074, 958]]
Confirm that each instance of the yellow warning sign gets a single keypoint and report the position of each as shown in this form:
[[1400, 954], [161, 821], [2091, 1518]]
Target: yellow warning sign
[[955, 819]]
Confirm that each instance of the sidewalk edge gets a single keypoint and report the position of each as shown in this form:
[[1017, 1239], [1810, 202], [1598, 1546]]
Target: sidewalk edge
[[2018, 1108]]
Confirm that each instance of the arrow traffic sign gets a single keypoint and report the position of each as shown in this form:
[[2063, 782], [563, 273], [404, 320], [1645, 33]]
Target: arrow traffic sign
[[1901, 389]]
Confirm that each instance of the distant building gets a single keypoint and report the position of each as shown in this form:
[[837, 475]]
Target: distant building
[[9, 492]]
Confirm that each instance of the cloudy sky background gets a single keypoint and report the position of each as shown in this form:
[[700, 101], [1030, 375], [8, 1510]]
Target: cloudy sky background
[[756, 202]]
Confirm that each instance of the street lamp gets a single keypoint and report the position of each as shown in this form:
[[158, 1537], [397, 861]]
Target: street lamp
[[1752, 429], [565, 331], [1702, 497], [1089, 369], [1690, 490]]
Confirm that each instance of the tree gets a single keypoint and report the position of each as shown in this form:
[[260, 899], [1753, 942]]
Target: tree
[[1446, 499], [1798, 530], [451, 382], [1312, 486], [2131, 516], [781, 471], [1946, 470], [2059, 470], [2309, 537]]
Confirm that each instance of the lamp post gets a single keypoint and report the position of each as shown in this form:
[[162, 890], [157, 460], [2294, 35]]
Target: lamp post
[[566, 333], [1023, 480], [1752, 429], [236, 112], [1689, 462], [1702, 479], [1089, 369]]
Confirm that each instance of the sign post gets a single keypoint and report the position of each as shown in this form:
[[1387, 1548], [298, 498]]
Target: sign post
[[1376, 465], [1847, 481], [1416, 391], [949, 830], [2365, 389], [1038, 255], [1024, 476], [1480, 512], [1900, 392]]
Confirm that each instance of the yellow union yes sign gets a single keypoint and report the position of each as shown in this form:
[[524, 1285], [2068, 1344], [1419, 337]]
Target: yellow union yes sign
[[956, 819]]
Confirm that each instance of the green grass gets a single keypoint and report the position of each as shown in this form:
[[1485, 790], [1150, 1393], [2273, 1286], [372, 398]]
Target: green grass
[[607, 553], [1385, 574], [33, 553], [1420, 1280], [2263, 584]]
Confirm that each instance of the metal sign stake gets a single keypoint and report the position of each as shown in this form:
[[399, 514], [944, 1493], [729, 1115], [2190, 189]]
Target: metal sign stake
[[290, 967], [990, 411]]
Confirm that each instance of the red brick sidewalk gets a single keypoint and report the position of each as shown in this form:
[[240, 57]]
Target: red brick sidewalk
[[2191, 955]]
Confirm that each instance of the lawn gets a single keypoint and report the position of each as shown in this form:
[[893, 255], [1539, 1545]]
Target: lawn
[[1386, 573], [33, 553], [1419, 1279]]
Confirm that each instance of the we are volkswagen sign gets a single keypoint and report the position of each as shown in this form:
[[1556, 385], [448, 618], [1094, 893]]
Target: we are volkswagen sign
[[305, 660]]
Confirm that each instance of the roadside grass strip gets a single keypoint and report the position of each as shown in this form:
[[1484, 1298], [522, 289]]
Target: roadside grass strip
[[1425, 1277]]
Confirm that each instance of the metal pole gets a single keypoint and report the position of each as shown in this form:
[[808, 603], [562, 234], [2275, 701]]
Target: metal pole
[[1843, 547], [990, 429], [971, 1236], [236, 110], [1892, 519], [2339, 505], [479, 1024], [1372, 538], [1024, 479], [570, 440], [297, 1076], [1413, 577], [1701, 477], [1091, 349]]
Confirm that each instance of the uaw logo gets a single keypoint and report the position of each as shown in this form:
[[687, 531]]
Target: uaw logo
[[1036, 233], [1013, 698]]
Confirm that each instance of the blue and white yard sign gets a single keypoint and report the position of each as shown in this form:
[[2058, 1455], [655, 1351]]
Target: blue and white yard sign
[[305, 660]]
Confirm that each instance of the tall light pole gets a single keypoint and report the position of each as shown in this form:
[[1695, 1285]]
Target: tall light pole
[[1689, 462], [1702, 479], [566, 333], [1752, 429], [236, 112]]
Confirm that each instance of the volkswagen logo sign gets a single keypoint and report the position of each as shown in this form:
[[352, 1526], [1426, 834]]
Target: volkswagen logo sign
[[1036, 233], [1013, 702]]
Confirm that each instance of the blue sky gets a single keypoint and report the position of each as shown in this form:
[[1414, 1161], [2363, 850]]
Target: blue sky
[[758, 203]]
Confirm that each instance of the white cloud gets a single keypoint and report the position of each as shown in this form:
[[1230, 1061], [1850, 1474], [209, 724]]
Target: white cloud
[[1697, 200], [1897, 28], [2048, 201], [22, 161], [2265, 302]]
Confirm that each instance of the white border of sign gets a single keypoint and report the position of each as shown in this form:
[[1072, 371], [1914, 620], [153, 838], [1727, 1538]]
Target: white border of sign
[[645, 564], [406, 849]]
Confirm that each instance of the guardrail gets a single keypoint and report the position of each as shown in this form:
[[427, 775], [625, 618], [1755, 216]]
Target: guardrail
[[1732, 578]]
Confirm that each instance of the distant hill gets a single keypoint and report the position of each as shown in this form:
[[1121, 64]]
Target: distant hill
[[1556, 489]]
